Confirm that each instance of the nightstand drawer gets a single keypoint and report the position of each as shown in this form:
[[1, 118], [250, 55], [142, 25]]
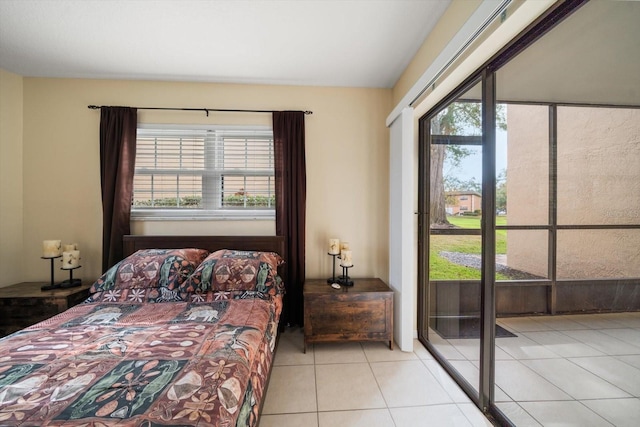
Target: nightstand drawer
[[343, 317]]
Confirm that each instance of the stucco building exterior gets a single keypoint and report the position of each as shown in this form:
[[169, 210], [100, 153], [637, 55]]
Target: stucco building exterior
[[598, 184]]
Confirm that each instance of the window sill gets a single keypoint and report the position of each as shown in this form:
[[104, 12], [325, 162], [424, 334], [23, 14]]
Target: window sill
[[200, 218], [191, 216]]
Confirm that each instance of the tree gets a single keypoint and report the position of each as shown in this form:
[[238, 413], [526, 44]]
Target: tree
[[453, 183], [450, 121], [501, 191], [459, 118]]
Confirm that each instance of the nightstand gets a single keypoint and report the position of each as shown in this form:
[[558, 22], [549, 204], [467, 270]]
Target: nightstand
[[24, 304], [362, 312]]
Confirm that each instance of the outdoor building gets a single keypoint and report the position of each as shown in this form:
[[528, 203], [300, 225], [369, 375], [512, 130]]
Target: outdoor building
[[598, 159], [461, 202]]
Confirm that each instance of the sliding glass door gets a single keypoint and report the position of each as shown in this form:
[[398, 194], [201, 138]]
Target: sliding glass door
[[455, 242], [529, 230]]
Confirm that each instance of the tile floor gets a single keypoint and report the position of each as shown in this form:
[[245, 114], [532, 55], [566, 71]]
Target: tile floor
[[578, 370], [362, 384]]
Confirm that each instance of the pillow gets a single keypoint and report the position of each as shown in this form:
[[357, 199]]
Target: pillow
[[151, 268], [231, 270]]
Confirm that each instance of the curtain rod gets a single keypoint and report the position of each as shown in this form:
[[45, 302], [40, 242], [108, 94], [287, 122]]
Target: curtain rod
[[206, 110]]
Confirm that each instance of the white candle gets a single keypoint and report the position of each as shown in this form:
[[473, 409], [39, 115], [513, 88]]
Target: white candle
[[51, 248], [334, 246], [70, 247], [70, 259], [344, 246], [347, 259]]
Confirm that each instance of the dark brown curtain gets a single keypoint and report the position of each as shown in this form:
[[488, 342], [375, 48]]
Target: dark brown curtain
[[117, 165], [291, 195]]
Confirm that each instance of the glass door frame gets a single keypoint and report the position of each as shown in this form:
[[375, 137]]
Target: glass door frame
[[486, 74], [484, 393]]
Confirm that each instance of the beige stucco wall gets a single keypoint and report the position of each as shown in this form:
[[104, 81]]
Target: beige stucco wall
[[346, 148], [598, 183], [11, 230]]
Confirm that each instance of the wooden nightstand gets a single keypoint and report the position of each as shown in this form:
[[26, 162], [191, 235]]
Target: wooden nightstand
[[362, 312], [24, 304]]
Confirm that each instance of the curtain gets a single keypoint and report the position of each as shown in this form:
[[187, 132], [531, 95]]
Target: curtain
[[117, 165], [291, 191]]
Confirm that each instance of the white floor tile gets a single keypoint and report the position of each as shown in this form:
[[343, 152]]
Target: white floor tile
[[522, 324], [347, 386], [408, 383], [435, 415], [522, 347], [517, 414], [501, 354], [562, 344], [603, 342], [474, 415], [629, 320], [594, 358], [574, 380], [631, 359], [615, 371], [444, 348], [564, 414], [290, 350], [469, 348], [292, 389], [380, 352], [629, 335], [619, 412], [469, 371], [361, 418], [560, 323], [596, 321], [443, 378], [350, 352], [309, 419], [421, 351], [523, 384]]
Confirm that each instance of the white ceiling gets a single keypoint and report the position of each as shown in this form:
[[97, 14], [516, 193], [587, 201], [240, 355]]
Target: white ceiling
[[359, 43], [593, 57]]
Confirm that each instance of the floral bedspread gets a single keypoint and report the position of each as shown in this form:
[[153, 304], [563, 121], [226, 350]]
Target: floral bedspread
[[128, 363]]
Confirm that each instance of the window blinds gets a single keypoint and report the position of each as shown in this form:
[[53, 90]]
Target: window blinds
[[204, 169]]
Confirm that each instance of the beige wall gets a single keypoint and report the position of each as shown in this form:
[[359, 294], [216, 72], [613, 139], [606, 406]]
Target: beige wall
[[448, 25], [598, 184], [346, 148], [11, 230]]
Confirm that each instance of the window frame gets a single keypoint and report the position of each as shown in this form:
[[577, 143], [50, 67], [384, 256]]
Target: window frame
[[212, 176]]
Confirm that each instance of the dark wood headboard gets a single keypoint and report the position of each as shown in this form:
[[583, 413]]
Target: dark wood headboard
[[133, 243]]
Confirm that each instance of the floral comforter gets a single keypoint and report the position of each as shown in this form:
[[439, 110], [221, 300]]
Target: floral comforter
[[204, 362]]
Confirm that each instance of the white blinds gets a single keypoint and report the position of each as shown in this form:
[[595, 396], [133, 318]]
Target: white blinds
[[204, 169]]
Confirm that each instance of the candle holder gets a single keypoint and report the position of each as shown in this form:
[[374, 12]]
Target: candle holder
[[332, 279], [345, 280], [71, 282], [51, 285]]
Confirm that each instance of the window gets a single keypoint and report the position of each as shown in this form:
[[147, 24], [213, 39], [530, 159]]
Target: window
[[203, 172]]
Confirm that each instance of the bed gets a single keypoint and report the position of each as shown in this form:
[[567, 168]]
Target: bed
[[180, 332]]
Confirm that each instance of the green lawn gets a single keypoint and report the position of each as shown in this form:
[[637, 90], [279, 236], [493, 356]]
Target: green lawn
[[441, 268]]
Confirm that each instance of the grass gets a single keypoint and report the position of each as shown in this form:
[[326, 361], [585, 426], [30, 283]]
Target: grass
[[443, 269]]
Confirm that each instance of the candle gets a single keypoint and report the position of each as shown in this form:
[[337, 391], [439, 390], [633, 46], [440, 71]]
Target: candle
[[51, 248], [344, 246], [334, 246], [70, 259], [70, 247], [347, 259]]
